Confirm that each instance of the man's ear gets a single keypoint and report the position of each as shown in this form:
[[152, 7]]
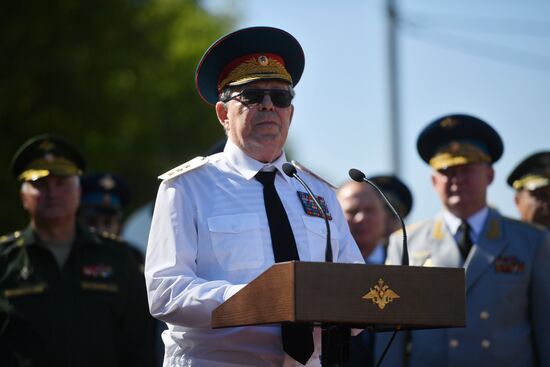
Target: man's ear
[[221, 113], [291, 114], [517, 198], [22, 196], [490, 175]]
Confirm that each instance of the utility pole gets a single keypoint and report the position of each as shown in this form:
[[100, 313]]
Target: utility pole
[[393, 87]]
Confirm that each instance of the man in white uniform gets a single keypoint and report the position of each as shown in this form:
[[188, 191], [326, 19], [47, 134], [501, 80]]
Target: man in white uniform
[[213, 230]]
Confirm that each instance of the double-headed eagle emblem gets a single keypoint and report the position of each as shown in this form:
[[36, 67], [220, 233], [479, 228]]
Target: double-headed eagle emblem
[[381, 295]]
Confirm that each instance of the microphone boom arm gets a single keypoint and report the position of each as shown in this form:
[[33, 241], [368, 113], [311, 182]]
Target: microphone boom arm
[[290, 170]]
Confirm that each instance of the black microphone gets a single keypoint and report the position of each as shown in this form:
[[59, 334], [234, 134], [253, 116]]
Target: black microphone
[[290, 171], [359, 176]]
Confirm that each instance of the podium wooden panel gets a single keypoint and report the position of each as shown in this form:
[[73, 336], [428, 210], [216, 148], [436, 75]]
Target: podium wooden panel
[[332, 293]]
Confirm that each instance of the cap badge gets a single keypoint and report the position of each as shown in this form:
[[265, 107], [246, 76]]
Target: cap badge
[[46, 146], [381, 295], [449, 122], [263, 60], [107, 182], [454, 147]]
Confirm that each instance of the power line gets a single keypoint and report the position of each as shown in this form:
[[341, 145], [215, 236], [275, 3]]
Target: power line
[[479, 48], [502, 26]]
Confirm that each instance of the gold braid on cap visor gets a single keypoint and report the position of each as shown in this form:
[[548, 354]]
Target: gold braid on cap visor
[[44, 167], [531, 182], [455, 154], [255, 68]]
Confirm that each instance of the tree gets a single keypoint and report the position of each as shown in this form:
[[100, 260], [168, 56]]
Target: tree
[[116, 77]]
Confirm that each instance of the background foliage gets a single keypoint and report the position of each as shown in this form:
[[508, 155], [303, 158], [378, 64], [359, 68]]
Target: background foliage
[[116, 77]]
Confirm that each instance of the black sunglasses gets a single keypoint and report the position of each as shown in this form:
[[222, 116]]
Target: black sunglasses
[[281, 98]]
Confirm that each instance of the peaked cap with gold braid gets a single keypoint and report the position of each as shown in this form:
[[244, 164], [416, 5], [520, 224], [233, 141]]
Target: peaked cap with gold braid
[[46, 155], [247, 55], [532, 173], [457, 139]]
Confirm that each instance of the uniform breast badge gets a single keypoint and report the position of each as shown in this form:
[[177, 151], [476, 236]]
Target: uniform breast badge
[[96, 274], [311, 208], [509, 264], [97, 271]]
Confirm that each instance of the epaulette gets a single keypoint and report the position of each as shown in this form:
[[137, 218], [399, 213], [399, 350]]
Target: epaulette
[[9, 237], [307, 170], [183, 168], [410, 228]]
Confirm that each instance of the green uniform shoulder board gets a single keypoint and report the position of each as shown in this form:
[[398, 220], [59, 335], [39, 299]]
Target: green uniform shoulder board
[[184, 168]]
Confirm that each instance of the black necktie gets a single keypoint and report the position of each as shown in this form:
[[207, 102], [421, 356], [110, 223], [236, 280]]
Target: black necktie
[[297, 337], [464, 239]]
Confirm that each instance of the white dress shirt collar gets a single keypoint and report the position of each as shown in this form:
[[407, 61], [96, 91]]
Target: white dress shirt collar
[[476, 222], [247, 166]]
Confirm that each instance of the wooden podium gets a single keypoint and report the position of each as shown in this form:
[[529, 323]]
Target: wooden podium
[[376, 297]]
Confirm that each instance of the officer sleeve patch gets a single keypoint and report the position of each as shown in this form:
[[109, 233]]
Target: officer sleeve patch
[[183, 168], [311, 208]]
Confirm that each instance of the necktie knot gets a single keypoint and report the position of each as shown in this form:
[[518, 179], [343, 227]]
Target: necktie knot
[[464, 227], [267, 178]]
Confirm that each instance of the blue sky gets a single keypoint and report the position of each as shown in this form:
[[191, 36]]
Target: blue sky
[[486, 58]]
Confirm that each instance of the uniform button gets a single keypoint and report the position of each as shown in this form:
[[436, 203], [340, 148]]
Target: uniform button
[[485, 344], [484, 315], [453, 343]]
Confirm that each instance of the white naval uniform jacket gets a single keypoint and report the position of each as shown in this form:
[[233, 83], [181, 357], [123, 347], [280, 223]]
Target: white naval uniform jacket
[[507, 296], [210, 237]]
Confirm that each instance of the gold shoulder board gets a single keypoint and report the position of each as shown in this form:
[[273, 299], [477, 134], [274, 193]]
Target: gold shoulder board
[[183, 168]]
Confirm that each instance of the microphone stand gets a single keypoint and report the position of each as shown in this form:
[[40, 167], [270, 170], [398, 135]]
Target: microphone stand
[[335, 339], [359, 176]]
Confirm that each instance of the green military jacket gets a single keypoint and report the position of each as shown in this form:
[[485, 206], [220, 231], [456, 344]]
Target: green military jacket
[[90, 312]]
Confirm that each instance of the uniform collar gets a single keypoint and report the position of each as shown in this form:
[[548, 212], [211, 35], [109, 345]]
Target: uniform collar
[[247, 166], [82, 235], [476, 221]]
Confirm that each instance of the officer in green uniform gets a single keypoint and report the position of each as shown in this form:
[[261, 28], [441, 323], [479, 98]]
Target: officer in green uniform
[[68, 297]]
